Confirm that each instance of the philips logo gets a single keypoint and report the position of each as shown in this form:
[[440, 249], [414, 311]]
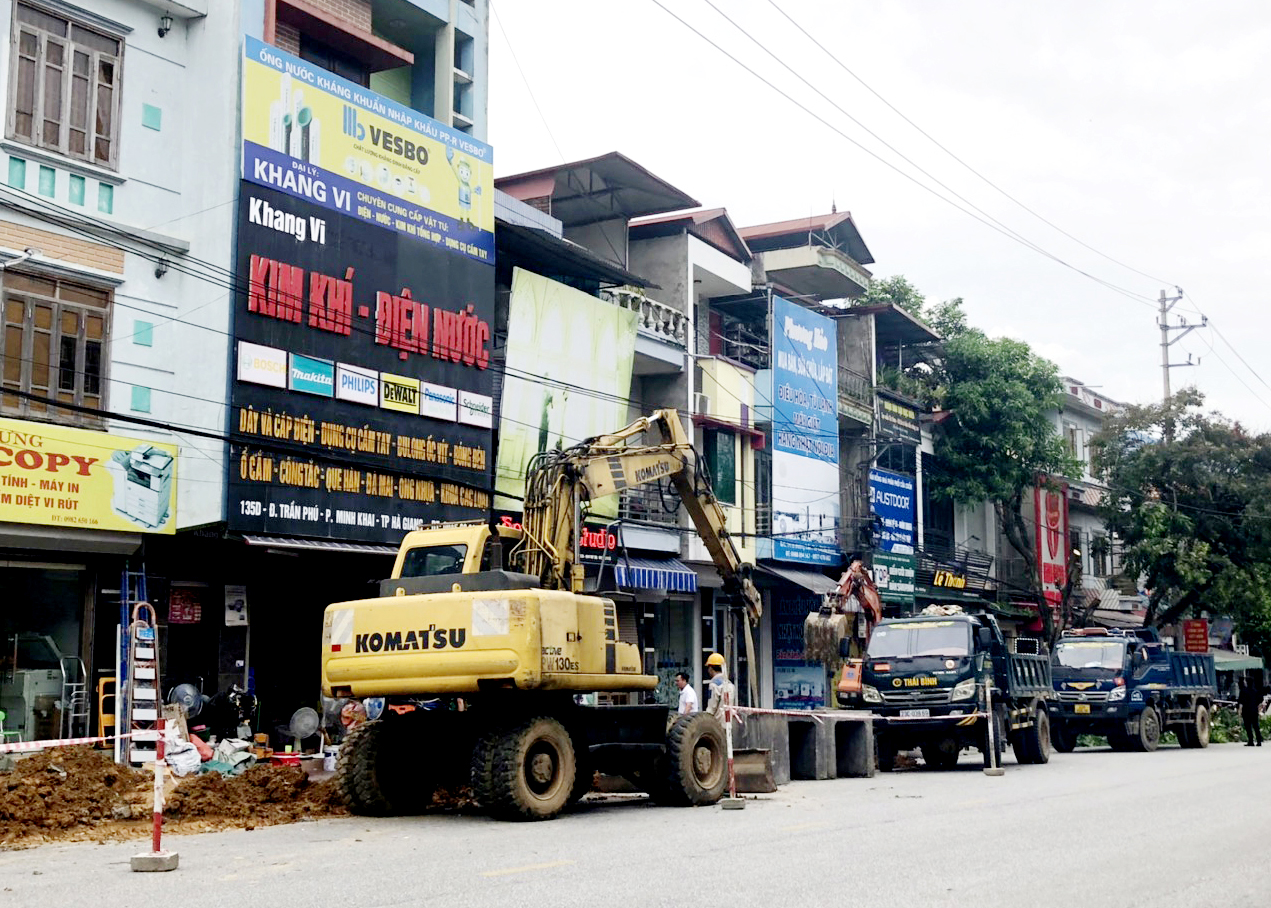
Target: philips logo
[[361, 386]]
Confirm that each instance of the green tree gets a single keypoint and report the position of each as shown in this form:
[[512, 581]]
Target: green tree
[[1192, 507], [897, 291], [997, 438]]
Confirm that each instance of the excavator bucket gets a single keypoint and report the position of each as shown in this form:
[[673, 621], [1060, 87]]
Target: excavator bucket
[[822, 631]]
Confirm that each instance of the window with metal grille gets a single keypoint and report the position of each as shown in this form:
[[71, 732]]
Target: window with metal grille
[[53, 346], [64, 88]]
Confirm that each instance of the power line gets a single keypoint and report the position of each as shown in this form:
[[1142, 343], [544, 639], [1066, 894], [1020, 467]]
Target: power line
[[933, 140], [526, 82], [1139, 298]]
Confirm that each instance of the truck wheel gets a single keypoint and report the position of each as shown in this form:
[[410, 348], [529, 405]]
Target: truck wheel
[[1062, 738], [1149, 735], [886, 754], [376, 773], [1196, 734], [696, 760], [532, 771], [941, 753], [1033, 743], [1120, 741]]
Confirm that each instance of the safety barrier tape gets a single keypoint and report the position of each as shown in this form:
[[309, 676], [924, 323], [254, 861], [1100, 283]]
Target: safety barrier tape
[[30, 746]]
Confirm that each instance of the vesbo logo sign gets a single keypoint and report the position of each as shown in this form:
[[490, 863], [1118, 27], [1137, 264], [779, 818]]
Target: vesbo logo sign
[[362, 386], [262, 365], [312, 376], [438, 401]]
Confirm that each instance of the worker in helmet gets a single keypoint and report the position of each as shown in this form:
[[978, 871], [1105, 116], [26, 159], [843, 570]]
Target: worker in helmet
[[722, 692]]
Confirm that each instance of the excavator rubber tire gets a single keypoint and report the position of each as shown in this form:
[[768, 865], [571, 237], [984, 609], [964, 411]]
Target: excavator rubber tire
[[532, 771], [1032, 744], [377, 774], [696, 761], [481, 767]]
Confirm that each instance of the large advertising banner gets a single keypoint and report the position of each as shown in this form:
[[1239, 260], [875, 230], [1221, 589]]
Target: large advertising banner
[[797, 683], [56, 476], [568, 375], [1050, 513], [895, 576], [805, 450], [345, 148], [361, 402], [891, 497]]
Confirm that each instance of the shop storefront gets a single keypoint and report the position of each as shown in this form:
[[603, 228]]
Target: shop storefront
[[75, 506]]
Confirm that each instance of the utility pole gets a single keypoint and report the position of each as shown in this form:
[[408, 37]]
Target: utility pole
[[1167, 303]]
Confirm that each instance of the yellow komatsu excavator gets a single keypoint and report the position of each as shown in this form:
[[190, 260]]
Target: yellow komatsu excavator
[[484, 634]]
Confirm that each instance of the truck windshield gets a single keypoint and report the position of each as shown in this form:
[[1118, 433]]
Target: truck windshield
[[428, 561], [920, 638], [1090, 654]]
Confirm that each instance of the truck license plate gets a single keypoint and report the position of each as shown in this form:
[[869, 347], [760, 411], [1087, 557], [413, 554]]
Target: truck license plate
[[1082, 709], [915, 713]]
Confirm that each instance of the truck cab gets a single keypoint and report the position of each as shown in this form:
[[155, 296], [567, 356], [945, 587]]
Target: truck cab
[[1129, 687], [930, 681]]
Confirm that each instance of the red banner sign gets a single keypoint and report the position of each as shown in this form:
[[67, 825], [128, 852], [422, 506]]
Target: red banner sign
[[1195, 635], [1050, 513]]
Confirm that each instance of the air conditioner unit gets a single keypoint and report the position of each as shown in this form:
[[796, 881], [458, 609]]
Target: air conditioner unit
[[701, 404]]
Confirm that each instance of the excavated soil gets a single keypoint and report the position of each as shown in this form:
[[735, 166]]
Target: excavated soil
[[77, 794]]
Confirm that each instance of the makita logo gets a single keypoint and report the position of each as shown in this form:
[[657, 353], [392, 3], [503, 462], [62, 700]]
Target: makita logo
[[399, 642]]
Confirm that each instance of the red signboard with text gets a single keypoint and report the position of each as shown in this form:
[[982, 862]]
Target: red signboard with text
[[1195, 635], [1050, 513]]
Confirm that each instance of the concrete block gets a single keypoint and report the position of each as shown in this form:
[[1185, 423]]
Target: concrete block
[[851, 736], [155, 861]]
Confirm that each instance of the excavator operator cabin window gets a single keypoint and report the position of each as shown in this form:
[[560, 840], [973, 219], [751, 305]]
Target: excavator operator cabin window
[[429, 561]]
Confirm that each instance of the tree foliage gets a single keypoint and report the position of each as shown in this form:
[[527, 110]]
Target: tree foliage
[[997, 437], [1192, 506]]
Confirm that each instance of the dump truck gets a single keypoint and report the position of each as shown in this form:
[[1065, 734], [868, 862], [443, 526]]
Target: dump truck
[[1130, 687], [495, 625], [933, 681]]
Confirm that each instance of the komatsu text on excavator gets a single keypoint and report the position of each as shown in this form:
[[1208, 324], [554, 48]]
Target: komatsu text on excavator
[[499, 620]]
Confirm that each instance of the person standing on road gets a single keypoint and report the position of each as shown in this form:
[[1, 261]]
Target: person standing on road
[[688, 696], [722, 691], [1249, 699]]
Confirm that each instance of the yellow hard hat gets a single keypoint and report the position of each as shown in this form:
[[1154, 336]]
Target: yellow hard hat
[[715, 659]]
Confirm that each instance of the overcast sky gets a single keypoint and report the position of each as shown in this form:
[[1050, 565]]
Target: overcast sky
[[1143, 129]]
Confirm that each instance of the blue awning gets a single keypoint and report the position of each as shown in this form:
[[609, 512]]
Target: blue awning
[[669, 574]]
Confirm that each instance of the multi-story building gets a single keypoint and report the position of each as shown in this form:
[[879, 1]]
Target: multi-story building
[[142, 279]]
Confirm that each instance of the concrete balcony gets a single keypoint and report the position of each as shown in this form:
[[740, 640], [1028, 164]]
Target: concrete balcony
[[856, 396], [657, 319], [816, 271]]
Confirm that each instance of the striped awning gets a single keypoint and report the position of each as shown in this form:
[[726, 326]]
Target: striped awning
[[320, 545], [669, 574]]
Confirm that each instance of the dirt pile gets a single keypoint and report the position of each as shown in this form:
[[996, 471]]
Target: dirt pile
[[78, 793], [264, 795]]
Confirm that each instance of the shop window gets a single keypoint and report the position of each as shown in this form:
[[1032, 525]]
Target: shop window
[[53, 346], [720, 449], [64, 88], [343, 64]]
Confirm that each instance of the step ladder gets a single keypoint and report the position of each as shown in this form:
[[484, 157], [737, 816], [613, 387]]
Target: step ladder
[[141, 689], [76, 705], [132, 592]]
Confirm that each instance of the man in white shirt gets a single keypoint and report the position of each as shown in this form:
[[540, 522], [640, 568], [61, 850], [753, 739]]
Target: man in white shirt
[[688, 696]]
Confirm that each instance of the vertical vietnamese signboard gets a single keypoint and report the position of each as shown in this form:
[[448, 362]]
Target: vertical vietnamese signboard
[[1050, 513], [1195, 635], [361, 402], [805, 450], [891, 498]]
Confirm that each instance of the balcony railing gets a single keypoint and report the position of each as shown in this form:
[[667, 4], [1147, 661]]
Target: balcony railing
[[648, 505], [664, 322], [856, 393]]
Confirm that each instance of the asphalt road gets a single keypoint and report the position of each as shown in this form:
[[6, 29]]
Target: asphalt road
[[1092, 828]]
